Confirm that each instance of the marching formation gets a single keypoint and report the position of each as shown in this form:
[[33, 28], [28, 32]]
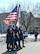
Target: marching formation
[[13, 37]]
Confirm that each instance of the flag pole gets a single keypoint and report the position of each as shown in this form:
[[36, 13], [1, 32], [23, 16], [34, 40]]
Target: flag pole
[[19, 16]]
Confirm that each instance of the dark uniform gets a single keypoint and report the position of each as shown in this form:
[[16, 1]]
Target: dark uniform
[[15, 37], [21, 37], [9, 37], [36, 33]]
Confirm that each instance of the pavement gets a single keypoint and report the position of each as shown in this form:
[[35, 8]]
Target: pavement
[[31, 46]]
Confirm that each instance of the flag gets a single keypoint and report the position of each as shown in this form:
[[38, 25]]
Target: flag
[[12, 16]]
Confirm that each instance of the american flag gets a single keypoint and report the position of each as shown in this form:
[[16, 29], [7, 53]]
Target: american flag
[[12, 16]]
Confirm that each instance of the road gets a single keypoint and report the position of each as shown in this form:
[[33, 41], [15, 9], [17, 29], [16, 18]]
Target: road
[[31, 47]]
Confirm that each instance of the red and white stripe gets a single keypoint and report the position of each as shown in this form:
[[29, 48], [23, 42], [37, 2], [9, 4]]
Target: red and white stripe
[[12, 16]]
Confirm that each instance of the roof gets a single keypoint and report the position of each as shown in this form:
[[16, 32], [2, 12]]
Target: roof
[[37, 15], [4, 15]]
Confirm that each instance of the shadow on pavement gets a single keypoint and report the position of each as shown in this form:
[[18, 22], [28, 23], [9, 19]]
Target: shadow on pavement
[[11, 52]]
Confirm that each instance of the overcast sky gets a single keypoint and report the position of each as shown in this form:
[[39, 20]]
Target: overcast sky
[[24, 3]]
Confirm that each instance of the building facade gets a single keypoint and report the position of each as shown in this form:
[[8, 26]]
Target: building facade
[[27, 21]]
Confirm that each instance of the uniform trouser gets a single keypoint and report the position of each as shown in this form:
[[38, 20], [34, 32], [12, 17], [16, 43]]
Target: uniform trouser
[[15, 43], [19, 43], [22, 42], [36, 38], [9, 47]]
